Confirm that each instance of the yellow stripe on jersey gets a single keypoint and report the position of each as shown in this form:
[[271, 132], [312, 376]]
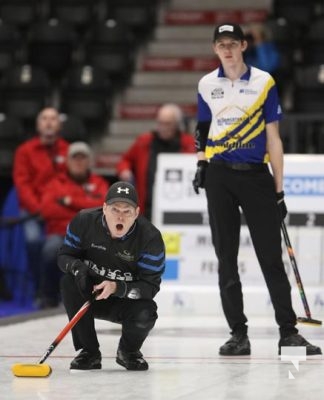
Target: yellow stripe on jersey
[[252, 129]]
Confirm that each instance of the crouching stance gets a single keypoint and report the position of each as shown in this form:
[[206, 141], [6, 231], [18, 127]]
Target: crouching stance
[[115, 251]]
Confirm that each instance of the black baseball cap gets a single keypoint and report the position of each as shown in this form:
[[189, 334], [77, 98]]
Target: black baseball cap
[[228, 29], [122, 191]]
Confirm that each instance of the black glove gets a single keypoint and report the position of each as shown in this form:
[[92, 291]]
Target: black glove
[[281, 205], [199, 179], [82, 278]]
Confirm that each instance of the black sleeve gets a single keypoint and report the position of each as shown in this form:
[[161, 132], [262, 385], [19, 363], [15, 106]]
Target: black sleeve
[[150, 266], [202, 130], [71, 249]]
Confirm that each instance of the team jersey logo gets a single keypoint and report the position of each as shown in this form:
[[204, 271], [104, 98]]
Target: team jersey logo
[[217, 93], [125, 255], [248, 91]]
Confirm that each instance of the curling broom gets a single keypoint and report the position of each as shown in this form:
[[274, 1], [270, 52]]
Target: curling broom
[[41, 370], [308, 320]]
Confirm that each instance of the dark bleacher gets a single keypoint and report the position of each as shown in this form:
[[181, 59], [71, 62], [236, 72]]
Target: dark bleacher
[[76, 55], [297, 27]]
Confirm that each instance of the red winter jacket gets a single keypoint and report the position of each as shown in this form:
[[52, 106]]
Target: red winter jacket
[[137, 157], [57, 216], [34, 165]]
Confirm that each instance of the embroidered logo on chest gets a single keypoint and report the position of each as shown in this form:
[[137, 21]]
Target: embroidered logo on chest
[[248, 91], [98, 246], [125, 255], [217, 93]]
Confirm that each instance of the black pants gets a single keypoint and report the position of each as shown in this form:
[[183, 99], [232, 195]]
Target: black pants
[[254, 192], [137, 317]]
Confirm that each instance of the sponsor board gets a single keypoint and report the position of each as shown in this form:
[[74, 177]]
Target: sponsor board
[[182, 217]]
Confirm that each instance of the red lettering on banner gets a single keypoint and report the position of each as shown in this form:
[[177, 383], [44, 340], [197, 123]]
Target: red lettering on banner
[[193, 17], [149, 111], [179, 64]]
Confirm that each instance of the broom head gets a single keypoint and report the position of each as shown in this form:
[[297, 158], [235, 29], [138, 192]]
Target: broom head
[[31, 370]]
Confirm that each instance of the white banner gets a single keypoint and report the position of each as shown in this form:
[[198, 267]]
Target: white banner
[[182, 217]]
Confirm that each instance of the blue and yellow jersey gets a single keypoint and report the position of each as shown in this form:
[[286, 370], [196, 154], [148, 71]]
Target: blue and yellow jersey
[[238, 112]]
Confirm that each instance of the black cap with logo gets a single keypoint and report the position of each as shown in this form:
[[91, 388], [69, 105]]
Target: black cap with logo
[[122, 191], [228, 29]]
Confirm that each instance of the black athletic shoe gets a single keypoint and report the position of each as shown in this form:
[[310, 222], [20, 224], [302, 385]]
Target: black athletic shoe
[[132, 361], [237, 345], [298, 340], [85, 360]]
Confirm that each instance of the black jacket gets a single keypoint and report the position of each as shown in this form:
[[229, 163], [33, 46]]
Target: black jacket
[[135, 262]]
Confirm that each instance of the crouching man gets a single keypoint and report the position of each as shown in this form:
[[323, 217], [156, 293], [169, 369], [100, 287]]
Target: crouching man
[[121, 255]]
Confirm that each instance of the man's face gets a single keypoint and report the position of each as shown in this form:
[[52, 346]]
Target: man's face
[[78, 165], [167, 125], [48, 125], [120, 216], [229, 50]]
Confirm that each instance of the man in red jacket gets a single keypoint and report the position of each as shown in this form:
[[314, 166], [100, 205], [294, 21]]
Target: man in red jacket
[[37, 161], [65, 195], [138, 164]]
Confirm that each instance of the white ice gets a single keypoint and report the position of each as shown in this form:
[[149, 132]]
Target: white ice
[[184, 364]]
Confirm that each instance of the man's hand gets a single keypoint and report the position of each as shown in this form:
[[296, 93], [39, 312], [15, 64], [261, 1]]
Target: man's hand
[[199, 180], [106, 288], [281, 205], [82, 279]]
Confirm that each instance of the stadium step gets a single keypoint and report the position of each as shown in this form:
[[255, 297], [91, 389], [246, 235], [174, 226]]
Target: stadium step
[[167, 32], [210, 17], [138, 111], [158, 78], [207, 63], [161, 95], [212, 4], [113, 144], [181, 48], [130, 128]]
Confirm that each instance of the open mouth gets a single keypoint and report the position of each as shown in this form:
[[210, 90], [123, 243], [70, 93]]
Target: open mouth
[[119, 227]]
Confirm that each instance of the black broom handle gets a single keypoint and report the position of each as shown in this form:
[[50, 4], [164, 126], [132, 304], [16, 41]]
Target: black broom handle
[[295, 269]]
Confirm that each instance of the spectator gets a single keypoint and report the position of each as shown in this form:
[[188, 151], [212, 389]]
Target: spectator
[[261, 52], [139, 163], [64, 196], [37, 161]]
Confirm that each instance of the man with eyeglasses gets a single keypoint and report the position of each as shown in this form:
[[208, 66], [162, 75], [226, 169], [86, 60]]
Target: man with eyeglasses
[[237, 136], [119, 254]]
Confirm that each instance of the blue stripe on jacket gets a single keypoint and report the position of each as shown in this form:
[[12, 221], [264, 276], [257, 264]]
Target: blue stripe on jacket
[[156, 268]]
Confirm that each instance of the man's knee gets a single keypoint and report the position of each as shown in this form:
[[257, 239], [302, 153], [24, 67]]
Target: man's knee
[[145, 315]]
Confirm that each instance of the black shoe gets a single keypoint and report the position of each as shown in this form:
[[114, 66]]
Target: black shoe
[[237, 345], [298, 340], [132, 361], [85, 360]]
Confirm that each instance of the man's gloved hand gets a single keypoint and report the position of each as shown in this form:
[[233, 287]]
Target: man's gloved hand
[[281, 205], [82, 278], [199, 179]]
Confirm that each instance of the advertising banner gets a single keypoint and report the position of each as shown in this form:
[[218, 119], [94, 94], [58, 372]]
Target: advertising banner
[[182, 217]]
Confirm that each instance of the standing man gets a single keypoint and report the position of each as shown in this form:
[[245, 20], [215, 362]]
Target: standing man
[[113, 250], [237, 135], [138, 164], [36, 162]]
